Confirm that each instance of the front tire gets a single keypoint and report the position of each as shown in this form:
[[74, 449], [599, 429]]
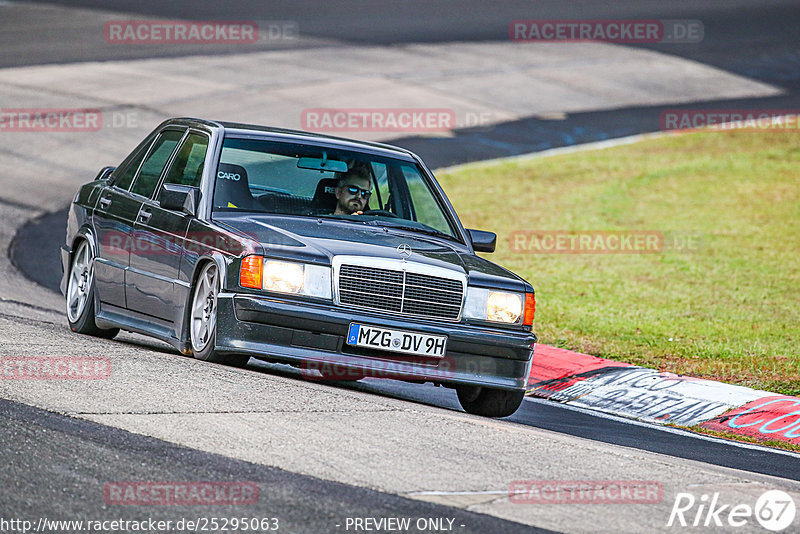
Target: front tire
[[203, 319], [80, 295], [489, 402]]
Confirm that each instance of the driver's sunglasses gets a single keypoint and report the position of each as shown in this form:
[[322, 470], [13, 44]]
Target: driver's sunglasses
[[353, 190]]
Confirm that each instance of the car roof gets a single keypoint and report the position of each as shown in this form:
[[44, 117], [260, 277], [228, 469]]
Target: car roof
[[297, 136]]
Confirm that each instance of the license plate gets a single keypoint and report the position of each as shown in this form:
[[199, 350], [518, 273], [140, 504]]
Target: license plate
[[375, 337]]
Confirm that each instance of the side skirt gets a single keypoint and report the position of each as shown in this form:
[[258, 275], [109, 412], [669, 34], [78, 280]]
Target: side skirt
[[113, 317]]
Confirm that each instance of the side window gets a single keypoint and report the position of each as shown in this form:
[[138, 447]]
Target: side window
[[187, 168], [147, 180], [425, 206], [124, 180]]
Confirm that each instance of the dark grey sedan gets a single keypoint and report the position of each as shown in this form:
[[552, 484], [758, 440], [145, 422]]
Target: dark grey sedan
[[343, 258]]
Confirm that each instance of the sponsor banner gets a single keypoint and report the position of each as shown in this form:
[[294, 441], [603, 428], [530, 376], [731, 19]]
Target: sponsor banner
[[552, 363], [585, 492], [771, 417], [649, 395], [630, 391], [564, 389]]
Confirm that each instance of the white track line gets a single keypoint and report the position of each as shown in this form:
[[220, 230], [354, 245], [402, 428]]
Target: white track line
[[596, 145]]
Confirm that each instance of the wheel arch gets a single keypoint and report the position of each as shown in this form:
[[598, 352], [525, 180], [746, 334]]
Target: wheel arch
[[202, 261], [218, 260], [86, 234], [83, 234]]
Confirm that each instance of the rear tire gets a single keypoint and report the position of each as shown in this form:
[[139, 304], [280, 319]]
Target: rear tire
[[80, 294], [203, 319], [489, 402]]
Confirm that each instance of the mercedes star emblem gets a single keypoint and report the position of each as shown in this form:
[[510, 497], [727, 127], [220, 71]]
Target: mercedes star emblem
[[404, 250]]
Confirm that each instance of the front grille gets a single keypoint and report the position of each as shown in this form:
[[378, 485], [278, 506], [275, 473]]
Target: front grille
[[400, 292]]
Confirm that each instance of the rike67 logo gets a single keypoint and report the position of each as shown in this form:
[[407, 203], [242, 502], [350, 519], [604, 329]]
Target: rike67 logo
[[774, 510]]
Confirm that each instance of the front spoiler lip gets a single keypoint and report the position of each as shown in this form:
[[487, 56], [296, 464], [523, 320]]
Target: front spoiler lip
[[354, 365], [331, 319], [312, 335]]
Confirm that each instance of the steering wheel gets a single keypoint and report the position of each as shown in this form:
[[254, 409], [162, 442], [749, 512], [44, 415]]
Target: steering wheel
[[382, 213]]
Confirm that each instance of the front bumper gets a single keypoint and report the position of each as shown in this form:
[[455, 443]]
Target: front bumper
[[312, 334]]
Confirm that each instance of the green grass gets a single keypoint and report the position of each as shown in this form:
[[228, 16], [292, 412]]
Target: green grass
[[727, 310], [740, 437]]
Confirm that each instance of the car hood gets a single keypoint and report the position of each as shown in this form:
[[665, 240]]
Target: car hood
[[317, 240]]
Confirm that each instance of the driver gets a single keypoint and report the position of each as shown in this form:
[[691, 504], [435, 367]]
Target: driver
[[353, 192]]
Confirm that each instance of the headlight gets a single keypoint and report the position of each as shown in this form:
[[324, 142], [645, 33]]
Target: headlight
[[283, 276], [503, 307], [286, 277], [496, 306]]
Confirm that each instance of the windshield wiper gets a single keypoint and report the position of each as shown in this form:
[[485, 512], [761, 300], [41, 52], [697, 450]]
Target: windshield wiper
[[421, 229]]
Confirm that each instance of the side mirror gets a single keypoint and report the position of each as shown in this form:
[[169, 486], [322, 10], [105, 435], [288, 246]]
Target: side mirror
[[181, 198], [104, 173], [482, 241]]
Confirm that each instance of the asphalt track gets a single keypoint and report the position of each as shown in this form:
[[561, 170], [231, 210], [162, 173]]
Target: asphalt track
[[757, 40], [549, 415], [53, 460]]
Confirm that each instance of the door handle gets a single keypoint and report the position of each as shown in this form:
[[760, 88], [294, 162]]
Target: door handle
[[105, 202], [144, 216]]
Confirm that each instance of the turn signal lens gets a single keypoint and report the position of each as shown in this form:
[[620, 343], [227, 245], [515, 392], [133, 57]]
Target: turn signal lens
[[530, 309], [252, 272]]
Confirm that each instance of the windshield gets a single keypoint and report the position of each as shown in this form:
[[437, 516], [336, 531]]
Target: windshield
[[293, 179]]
